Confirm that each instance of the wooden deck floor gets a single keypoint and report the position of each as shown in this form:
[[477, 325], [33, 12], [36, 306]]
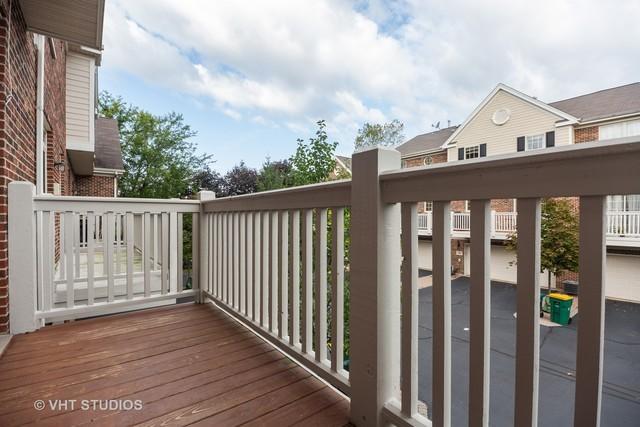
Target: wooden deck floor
[[185, 364]]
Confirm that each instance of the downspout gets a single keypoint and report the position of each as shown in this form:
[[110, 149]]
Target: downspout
[[40, 115]]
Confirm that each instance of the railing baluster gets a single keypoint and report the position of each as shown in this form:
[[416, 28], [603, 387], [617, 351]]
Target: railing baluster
[[273, 272], [528, 309], [118, 231], [307, 277], [283, 256], [235, 262], [108, 251], [165, 253], [321, 285], [480, 311], [409, 299], [242, 260], [209, 230], [591, 329], [248, 303], [173, 254], [219, 256], [294, 279], [179, 241], [48, 259], [156, 236], [257, 277], [147, 253], [129, 240], [441, 368], [225, 258], [76, 243], [337, 290], [264, 305]]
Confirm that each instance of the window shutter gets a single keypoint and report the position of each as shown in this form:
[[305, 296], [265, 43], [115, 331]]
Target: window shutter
[[551, 138], [460, 153], [521, 143], [483, 150]]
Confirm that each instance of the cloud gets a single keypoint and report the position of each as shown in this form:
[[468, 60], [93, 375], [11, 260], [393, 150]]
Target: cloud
[[289, 63]]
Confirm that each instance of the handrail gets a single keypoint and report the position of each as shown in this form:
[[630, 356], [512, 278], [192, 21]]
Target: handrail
[[552, 172], [323, 195]]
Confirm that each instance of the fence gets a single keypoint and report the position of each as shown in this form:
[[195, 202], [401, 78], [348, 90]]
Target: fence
[[280, 263]]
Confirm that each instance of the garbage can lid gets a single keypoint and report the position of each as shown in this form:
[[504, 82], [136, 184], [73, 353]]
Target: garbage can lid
[[562, 297]]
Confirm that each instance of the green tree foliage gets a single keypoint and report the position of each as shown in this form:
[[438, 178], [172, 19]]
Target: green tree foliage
[[559, 237], [374, 135], [160, 161], [274, 175], [314, 162]]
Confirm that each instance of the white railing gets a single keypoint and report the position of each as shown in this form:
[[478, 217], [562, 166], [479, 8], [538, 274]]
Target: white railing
[[619, 224], [265, 259], [623, 224], [267, 263], [100, 255]]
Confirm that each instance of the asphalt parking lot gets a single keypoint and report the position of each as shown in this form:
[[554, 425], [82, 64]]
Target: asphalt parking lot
[[621, 389]]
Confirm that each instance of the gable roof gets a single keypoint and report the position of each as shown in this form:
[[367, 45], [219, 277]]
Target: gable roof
[[108, 154], [426, 142], [344, 162], [603, 104], [502, 87]]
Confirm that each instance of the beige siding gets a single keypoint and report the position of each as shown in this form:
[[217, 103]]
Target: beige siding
[[79, 100], [564, 135], [526, 119]]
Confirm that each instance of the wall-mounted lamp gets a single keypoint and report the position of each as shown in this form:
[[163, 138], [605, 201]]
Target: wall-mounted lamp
[[59, 165]]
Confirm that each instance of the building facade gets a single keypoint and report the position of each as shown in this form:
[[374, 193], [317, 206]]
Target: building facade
[[508, 121], [49, 133]]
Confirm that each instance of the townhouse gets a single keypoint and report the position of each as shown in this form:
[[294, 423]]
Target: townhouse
[[509, 121], [50, 135]]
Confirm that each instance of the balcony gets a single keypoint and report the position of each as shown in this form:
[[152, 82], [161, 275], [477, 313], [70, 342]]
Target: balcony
[[273, 330], [623, 228]]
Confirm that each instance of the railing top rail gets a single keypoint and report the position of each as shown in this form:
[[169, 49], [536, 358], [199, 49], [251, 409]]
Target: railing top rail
[[595, 168], [113, 204], [323, 195]]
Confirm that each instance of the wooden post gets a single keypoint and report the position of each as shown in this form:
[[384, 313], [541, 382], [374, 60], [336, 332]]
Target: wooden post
[[22, 258], [375, 289], [200, 238]]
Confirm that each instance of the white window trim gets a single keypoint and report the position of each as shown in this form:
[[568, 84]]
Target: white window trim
[[477, 147], [537, 135]]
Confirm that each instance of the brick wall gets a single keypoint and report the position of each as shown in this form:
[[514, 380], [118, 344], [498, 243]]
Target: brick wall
[[440, 157], [586, 134], [18, 61], [96, 185]]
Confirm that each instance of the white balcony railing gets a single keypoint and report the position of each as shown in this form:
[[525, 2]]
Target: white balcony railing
[[619, 224], [264, 259]]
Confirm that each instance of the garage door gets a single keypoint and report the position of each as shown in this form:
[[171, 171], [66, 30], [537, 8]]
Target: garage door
[[623, 277], [424, 255]]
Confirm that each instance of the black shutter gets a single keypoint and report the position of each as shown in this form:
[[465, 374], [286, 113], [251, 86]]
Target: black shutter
[[521, 143], [483, 150], [551, 139], [460, 153]]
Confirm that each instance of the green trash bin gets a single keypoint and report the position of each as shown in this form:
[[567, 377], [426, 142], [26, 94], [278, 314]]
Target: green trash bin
[[560, 308]]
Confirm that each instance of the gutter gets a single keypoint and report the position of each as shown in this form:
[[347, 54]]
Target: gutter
[[40, 115]]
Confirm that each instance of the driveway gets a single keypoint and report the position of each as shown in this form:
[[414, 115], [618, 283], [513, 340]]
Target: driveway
[[621, 389]]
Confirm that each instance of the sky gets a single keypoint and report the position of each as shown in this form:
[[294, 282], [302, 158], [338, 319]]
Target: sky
[[253, 76]]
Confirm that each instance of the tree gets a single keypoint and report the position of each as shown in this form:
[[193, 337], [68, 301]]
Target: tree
[[274, 175], [159, 159], [314, 162], [559, 238], [374, 135], [240, 180], [208, 179]]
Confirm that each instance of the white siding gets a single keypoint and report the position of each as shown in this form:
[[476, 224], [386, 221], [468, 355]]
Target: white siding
[[80, 102], [526, 119], [564, 135]]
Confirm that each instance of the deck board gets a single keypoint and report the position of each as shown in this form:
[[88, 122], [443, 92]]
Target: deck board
[[187, 364]]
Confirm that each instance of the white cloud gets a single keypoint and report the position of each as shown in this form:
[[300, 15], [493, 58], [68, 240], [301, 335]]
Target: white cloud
[[289, 63]]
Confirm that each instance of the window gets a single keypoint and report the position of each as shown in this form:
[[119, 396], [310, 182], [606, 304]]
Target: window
[[472, 152], [428, 206], [535, 142], [620, 130], [428, 160], [623, 203]]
